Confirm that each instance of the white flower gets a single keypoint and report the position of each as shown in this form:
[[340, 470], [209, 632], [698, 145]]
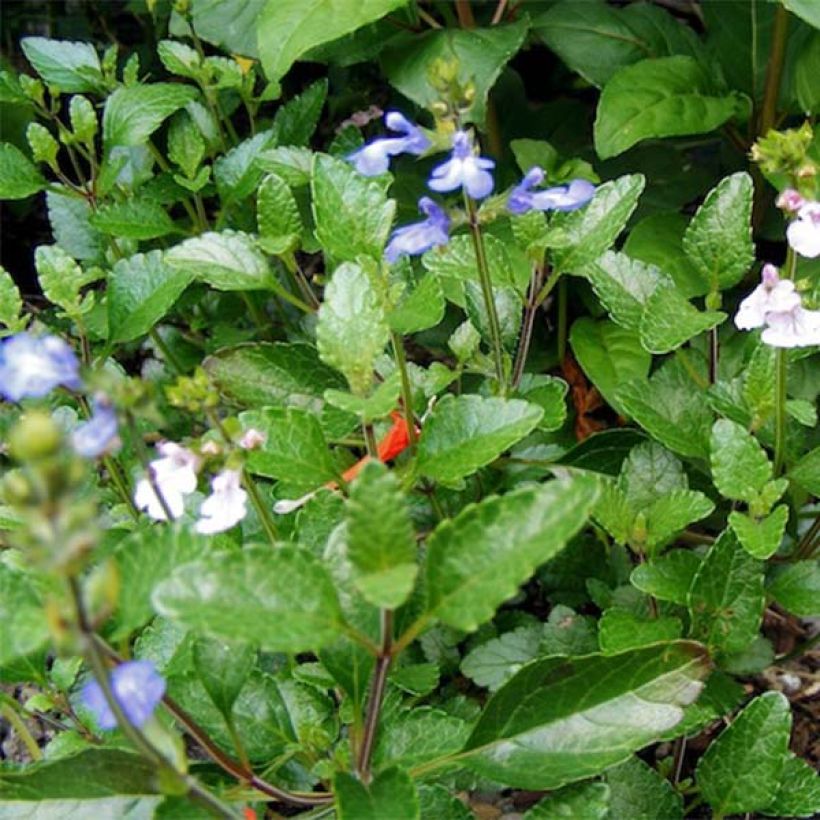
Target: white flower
[[797, 327], [772, 295], [804, 233], [225, 506], [790, 201], [463, 169], [175, 477], [252, 439]]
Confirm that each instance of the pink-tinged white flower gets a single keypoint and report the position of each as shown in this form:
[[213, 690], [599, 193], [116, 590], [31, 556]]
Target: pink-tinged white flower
[[804, 232], [226, 506], [463, 170], [175, 477], [797, 327], [790, 201], [210, 448], [252, 439], [772, 295]]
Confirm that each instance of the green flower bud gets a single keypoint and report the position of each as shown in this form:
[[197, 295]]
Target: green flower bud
[[34, 437]]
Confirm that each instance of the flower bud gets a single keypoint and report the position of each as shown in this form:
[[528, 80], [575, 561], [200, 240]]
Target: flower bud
[[34, 437]]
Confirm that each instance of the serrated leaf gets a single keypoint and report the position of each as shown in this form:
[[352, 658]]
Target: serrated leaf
[[467, 432], [420, 308], [669, 320], [580, 237], [276, 211], [297, 119], [25, 628], [223, 667], [663, 97], [719, 237], [650, 472], [492, 663], [133, 113], [799, 792], [667, 577], [294, 451], [236, 173], [741, 770], [282, 599], [186, 145], [672, 513], [580, 801], [179, 58], [759, 384], [72, 67], [227, 261], [11, 304], [637, 790], [567, 633], [609, 355], [353, 214], [740, 466], [416, 678], [549, 393], [437, 801], [529, 737], [69, 218], [619, 630], [614, 512], [380, 539], [760, 537], [294, 165], [141, 290], [61, 278], [352, 330], [806, 472], [133, 219], [726, 600], [508, 310], [391, 793], [796, 587], [414, 737], [478, 559], [19, 177]]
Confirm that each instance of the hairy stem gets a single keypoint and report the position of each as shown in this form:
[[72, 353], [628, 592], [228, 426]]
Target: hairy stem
[[527, 325], [377, 687]]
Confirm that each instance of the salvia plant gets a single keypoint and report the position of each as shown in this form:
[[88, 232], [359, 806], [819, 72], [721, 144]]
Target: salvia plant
[[424, 429]]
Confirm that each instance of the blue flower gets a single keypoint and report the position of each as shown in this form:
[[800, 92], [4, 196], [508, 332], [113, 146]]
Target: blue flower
[[420, 236], [463, 169], [561, 198], [32, 366], [374, 158], [98, 435], [138, 688]]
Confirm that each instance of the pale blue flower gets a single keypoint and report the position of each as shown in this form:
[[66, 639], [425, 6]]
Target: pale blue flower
[[463, 170], [98, 435], [137, 687], [32, 366], [569, 197], [419, 237], [374, 158]]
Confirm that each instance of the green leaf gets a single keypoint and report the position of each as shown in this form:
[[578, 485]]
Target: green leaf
[[760, 537], [297, 119], [467, 432], [667, 577], [637, 790], [623, 285], [145, 558], [806, 68], [223, 667], [481, 55], [416, 678], [11, 304], [286, 29], [179, 58], [72, 67], [92, 773], [61, 278], [740, 466], [663, 97], [580, 801], [437, 801], [133, 219], [69, 218], [281, 599], [133, 113], [799, 792], [352, 330], [805, 9], [420, 308], [227, 261], [294, 165], [507, 307], [478, 559], [264, 373], [619, 630], [19, 177], [567, 633], [414, 737], [719, 237], [609, 355], [25, 629], [649, 473], [672, 513], [741, 770], [796, 587], [141, 291], [391, 793], [492, 663], [277, 213], [671, 407], [294, 451], [236, 173], [580, 237], [528, 735], [670, 320], [381, 543], [549, 393], [353, 214], [230, 24], [726, 600], [806, 472]]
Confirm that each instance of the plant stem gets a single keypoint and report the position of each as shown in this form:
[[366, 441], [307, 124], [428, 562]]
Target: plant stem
[[117, 477], [22, 731], [487, 292], [527, 326], [377, 687], [370, 440], [808, 543], [142, 455], [774, 70], [406, 389], [714, 351], [562, 319], [167, 353]]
